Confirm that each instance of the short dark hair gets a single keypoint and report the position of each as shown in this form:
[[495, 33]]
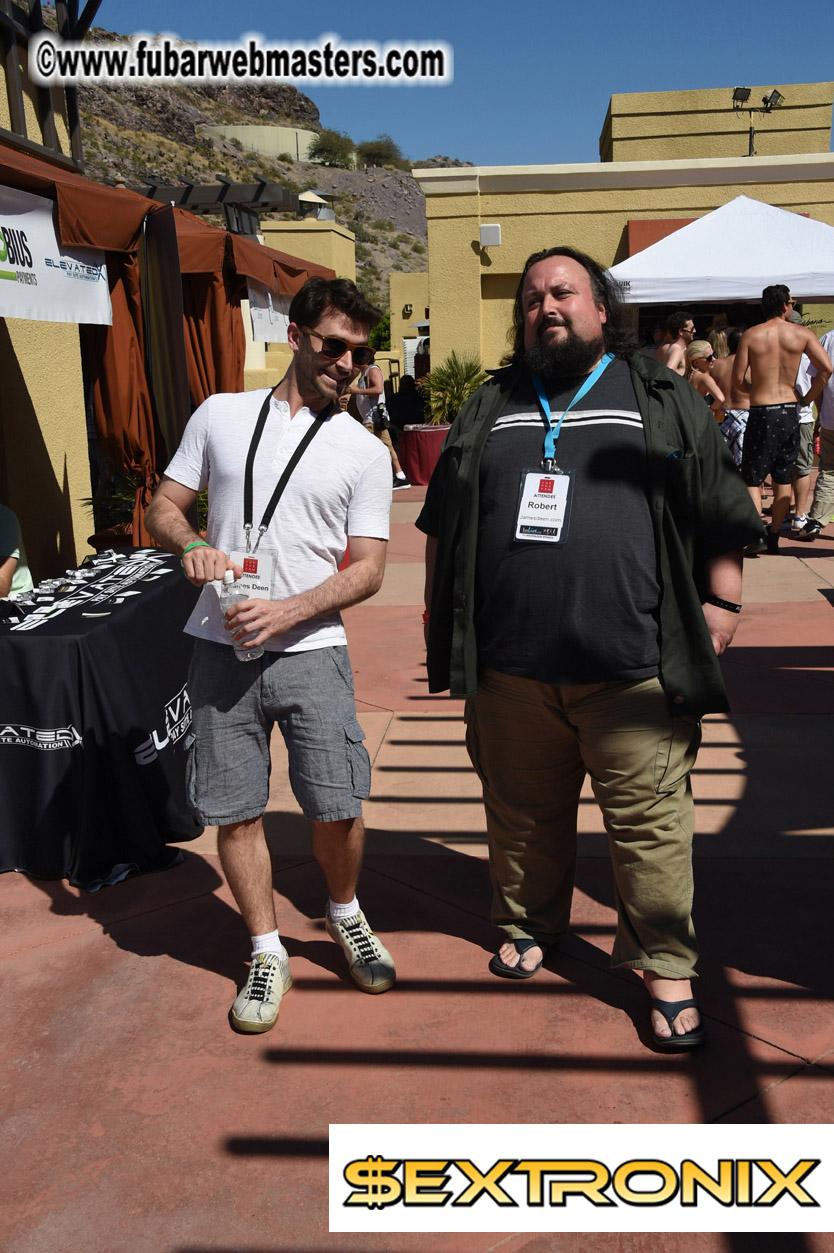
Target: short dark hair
[[676, 322], [774, 299], [734, 335], [312, 301], [618, 338]]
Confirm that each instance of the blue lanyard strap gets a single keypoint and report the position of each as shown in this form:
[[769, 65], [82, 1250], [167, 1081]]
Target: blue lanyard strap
[[553, 432]]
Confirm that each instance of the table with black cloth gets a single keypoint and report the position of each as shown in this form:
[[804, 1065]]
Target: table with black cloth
[[94, 720]]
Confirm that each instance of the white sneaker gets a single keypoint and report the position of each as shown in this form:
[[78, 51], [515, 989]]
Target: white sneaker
[[798, 522], [371, 965], [256, 1008]]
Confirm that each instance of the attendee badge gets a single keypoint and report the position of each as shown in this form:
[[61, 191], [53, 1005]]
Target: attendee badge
[[256, 580], [544, 504]]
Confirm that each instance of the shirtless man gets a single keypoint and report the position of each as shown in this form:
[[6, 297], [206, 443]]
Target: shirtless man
[[680, 332], [737, 403], [770, 353]]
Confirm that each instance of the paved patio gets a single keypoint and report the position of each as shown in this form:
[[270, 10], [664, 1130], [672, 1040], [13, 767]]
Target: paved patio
[[134, 1118]]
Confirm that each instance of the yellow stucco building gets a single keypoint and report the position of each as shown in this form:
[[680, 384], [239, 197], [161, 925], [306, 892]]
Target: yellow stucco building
[[44, 465], [671, 172], [408, 304]]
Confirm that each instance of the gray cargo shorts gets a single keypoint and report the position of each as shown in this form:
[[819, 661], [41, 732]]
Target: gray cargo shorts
[[235, 706]]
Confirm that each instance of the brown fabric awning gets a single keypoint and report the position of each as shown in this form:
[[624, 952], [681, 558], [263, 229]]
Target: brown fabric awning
[[204, 249], [90, 215], [114, 358], [273, 268], [214, 265]]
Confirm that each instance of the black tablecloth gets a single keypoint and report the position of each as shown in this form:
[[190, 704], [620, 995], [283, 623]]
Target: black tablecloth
[[94, 717]]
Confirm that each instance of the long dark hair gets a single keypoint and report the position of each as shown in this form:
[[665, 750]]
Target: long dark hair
[[617, 336]]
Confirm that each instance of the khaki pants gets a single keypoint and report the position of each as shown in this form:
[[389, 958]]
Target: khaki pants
[[822, 506], [383, 435], [531, 744]]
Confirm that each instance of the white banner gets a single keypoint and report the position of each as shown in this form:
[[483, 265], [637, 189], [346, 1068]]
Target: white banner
[[582, 1178], [38, 278], [270, 314]]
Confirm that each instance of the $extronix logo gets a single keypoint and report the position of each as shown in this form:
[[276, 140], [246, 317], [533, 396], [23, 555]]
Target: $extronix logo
[[736, 1182]]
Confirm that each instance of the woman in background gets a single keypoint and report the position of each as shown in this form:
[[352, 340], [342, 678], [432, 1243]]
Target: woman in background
[[699, 359]]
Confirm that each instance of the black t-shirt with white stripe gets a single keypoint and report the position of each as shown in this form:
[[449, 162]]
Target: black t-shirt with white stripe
[[585, 611]]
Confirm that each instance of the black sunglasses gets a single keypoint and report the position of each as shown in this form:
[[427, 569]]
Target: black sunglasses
[[334, 348]]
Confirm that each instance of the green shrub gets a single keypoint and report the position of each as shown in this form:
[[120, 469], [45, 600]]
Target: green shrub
[[381, 151], [450, 384], [380, 336], [333, 148]]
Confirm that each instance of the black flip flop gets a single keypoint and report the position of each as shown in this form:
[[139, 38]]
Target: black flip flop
[[672, 1043], [500, 968]]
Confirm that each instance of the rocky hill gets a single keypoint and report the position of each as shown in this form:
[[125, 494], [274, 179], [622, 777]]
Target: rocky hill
[[157, 134]]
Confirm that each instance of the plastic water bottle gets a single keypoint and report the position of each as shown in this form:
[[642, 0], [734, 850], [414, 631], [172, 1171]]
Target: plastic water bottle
[[229, 595]]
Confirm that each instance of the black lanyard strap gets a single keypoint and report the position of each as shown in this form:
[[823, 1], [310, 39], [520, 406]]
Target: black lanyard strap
[[309, 436]]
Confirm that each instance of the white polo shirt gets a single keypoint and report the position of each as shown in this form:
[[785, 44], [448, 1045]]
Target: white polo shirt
[[340, 487]]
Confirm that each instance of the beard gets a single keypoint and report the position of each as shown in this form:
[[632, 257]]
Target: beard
[[569, 357]]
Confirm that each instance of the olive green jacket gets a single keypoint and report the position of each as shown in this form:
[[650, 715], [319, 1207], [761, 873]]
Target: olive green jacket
[[699, 505]]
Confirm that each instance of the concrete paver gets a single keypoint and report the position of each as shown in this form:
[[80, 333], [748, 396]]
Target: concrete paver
[[135, 1118]]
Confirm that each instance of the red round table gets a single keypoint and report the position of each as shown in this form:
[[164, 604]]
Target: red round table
[[419, 450]]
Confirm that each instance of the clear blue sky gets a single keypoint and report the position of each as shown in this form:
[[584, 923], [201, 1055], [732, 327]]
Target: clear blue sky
[[532, 81]]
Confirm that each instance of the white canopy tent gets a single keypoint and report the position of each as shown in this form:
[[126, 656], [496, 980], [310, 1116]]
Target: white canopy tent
[[732, 254]]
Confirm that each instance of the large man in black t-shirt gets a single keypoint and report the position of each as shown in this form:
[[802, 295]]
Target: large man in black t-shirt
[[586, 526]]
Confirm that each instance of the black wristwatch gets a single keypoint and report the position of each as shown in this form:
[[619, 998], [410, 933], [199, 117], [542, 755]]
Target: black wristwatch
[[722, 604]]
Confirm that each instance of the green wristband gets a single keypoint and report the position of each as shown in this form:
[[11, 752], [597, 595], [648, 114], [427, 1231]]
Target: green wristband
[[198, 543]]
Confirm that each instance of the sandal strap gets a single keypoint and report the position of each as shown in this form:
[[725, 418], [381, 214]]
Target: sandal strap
[[522, 945], [671, 1009]]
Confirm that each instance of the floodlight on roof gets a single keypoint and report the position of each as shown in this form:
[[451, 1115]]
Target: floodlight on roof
[[770, 102], [740, 96]]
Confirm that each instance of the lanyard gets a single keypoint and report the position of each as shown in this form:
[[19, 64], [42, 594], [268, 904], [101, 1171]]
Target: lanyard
[[549, 461], [310, 434]]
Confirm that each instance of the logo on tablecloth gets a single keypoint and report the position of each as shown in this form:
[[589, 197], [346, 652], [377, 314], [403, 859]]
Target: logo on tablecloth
[[44, 738], [177, 722]]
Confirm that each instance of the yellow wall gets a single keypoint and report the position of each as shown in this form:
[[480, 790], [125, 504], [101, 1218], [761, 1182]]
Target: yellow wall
[[683, 125], [586, 206], [44, 466], [30, 108], [406, 289], [323, 243]]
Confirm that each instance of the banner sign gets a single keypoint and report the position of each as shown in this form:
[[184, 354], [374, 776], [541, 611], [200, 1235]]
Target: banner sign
[[270, 314], [604, 1178], [38, 278]]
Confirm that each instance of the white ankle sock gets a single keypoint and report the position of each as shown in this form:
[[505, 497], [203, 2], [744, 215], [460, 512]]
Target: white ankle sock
[[337, 911], [269, 943]]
